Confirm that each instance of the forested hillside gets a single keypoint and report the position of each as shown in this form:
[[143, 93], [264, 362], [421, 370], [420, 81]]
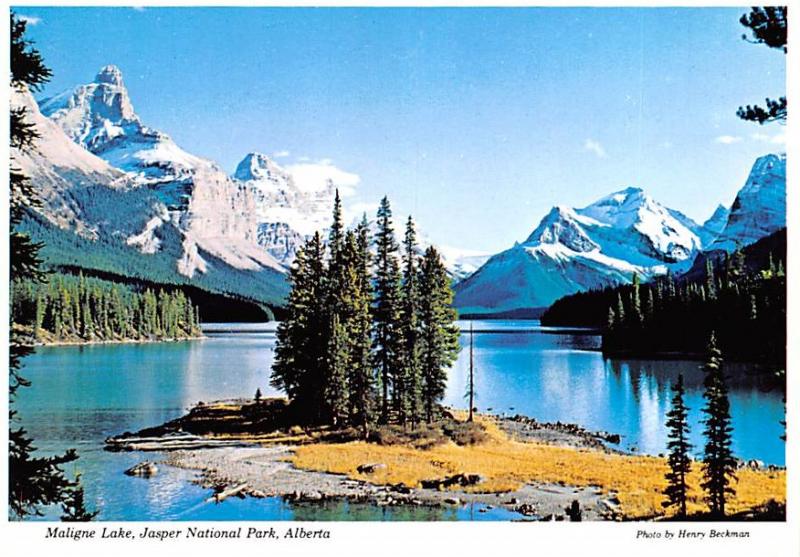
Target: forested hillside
[[251, 296], [741, 296]]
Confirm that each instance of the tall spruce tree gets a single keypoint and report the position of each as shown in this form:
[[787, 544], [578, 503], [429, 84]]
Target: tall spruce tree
[[302, 343], [386, 306], [636, 301], [335, 391], [361, 378], [410, 385], [679, 447], [338, 312], [438, 332], [33, 482], [719, 464]]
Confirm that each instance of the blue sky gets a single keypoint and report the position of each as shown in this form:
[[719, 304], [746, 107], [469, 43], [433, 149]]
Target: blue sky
[[476, 121]]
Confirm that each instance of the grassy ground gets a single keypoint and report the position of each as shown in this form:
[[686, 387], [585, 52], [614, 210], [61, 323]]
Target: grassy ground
[[506, 465]]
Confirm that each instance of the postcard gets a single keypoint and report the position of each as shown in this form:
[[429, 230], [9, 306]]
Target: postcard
[[349, 279]]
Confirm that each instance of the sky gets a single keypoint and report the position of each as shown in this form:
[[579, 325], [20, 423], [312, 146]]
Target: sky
[[475, 121]]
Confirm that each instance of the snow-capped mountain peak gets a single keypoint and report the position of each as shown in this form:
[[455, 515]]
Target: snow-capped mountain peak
[[562, 225], [760, 206], [258, 166], [109, 74], [100, 116], [570, 250], [717, 221], [663, 234], [96, 113], [214, 214]]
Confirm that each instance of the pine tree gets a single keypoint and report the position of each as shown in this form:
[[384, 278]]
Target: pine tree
[[361, 379], [300, 353], [438, 332], [74, 506], [611, 320], [719, 464], [336, 396], [386, 306], [636, 301], [679, 462], [409, 391], [32, 481], [711, 288], [767, 26], [620, 311]]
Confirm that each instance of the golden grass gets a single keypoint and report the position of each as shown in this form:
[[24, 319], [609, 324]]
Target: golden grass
[[506, 465]]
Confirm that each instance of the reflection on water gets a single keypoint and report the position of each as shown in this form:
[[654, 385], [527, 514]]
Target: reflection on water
[[564, 378], [81, 395]]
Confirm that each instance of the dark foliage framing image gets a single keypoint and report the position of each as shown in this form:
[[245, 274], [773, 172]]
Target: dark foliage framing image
[[201, 335]]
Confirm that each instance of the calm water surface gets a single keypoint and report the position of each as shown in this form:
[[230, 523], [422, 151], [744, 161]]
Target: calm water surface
[[81, 395]]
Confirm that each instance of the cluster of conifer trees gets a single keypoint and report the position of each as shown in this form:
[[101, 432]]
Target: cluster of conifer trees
[[69, 307], [746, 309], [719, 464], [369, 332], [741, 296]]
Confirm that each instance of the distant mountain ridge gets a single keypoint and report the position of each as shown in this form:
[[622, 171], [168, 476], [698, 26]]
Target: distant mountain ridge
[[626, 232]]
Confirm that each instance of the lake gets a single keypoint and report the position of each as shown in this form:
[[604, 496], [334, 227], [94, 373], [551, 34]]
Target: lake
[[82, 395]]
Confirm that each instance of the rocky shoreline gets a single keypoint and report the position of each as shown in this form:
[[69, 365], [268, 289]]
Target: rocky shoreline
[[257, 467], [266, 472]]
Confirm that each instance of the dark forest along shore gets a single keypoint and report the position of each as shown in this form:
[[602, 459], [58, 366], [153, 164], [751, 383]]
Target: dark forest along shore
[[83, 394]]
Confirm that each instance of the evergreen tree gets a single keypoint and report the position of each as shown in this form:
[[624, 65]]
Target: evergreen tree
[[300, 353], [438, 332], [74, 506], [409, 386], [718, 461], [386, 306], [636, 301], [336, 390], [611, 321], [711, 287], [620, 310], [767, 26], [361, 379], [679, 462], [33, 481]]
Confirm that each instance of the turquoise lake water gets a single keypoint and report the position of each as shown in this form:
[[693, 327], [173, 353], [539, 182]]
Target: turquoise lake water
[[81, 395]]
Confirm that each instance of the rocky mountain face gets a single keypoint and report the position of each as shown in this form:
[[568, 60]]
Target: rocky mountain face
[[286, 215], [759, 208], [627, 232], [717, 221], [214, 214], [76, 189]]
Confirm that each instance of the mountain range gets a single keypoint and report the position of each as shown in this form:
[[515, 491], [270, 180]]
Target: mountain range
[[605, 243], [121, 198]]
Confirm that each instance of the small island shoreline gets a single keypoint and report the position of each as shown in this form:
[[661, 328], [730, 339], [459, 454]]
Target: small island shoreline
[[247, 448]]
